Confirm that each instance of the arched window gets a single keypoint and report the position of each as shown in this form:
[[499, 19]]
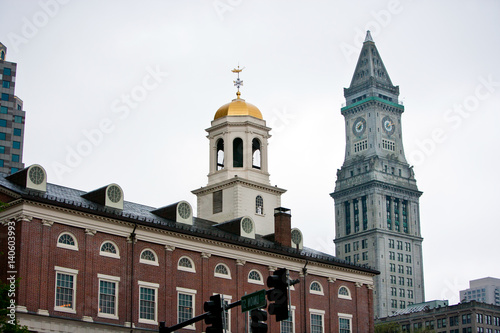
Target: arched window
[[109, 249], [238, 153], [148, 257], [344, 293], [2, 56], [256, 154], [220, 154], [259, 205], [316, 288], [67, 241], [186, 264], [222, 271], [255, 277]]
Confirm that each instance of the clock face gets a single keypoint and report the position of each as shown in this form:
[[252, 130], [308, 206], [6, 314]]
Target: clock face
[[247, 225], [359, 126], [114, 193], [36, 175], [388, 125], [184, 210]]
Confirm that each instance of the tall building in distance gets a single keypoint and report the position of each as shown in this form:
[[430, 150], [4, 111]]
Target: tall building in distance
[[12, 118], [377, 220], [486, 290]]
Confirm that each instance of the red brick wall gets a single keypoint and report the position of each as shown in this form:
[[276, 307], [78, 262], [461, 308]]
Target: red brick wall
[[39, 254]]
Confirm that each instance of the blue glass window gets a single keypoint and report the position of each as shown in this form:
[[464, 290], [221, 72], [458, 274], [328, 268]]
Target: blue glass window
[[18, 119], [6, 71], [3, 109], [17, 131], [3, 123], [1, 163], [16, 144], [5, 97], [2, 150], [6, 84], [2, 136], [15, 158], [12, 170]]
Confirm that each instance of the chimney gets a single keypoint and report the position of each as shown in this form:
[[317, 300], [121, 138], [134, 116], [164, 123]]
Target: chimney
[[283, 226]]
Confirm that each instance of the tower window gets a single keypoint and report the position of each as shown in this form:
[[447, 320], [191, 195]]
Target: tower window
[[356, 215], [217, 202], [238, 153], [364, 209], [388, 209], [404, 211], [256, 154], [396, 216], [388, 145], [360, 146], [347, 218], [259, 205], [220, 154]]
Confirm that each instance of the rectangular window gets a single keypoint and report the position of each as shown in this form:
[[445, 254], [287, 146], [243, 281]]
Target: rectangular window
[[1, 163], [391, 243], [108, 296], [400, 257], [4, 109], [404, 208], [17, 131], [360, 146], [147, 303], [3, 123], [2, 150], [347, 207], [408, 270], [392, 255], [400, 245], [16, 144], [408, 259], [393, 279], [5, 84], [15, 158], [364, 209], [18, 119], [217, 202], [344, 325], [394, 291], [410, 293], [409, 282], [287, 325], [388, 211], [356, 258], [316, 323], [401, 269], [355, 246], [394, 303], [393, 267], [185, 307], [364, 244], [347, 248], [396, 218], [401, 281], [65, 289], [365, 255], [356, 215], [7, 71], [5, 97]]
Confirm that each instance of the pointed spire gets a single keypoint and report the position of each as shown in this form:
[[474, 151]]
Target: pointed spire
[[370, 73], [368, 37]]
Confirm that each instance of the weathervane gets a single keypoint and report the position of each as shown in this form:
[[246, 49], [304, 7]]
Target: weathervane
[[238, 83]]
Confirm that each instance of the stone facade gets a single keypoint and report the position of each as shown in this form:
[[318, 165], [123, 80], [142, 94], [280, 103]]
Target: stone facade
[[377, 221]]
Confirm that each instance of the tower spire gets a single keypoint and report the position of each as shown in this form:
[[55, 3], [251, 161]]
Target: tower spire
[[368, 37]]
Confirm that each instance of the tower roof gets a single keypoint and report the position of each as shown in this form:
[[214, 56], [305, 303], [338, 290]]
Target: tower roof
[[370, 65], [238, 107]]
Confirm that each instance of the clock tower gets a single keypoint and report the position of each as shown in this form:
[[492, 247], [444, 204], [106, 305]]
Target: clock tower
[[377, 221]]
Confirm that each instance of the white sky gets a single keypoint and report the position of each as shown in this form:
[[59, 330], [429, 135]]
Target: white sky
[[77, 59]]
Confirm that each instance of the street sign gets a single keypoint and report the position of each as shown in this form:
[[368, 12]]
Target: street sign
[[254, 300]]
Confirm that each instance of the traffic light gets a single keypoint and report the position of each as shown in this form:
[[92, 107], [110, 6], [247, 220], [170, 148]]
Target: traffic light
[[214, 307], [257, 316], [278, 295]]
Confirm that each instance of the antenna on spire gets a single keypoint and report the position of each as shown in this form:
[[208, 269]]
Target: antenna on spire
[[238, 83]]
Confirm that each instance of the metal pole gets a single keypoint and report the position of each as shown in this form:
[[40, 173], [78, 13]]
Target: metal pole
[[289, 300]]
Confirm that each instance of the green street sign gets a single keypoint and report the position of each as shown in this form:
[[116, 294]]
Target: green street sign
[[254, 300]]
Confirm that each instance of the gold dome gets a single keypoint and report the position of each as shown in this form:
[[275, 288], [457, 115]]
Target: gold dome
[[238, 107]]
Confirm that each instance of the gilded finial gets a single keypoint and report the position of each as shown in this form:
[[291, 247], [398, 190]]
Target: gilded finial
[[238, 83]]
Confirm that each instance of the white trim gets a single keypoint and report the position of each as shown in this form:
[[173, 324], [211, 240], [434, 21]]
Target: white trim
[[186, 290], [116, 281], [155, 287], [149, 262], [316, 292], [148, 284], [186, 269], [108, 277], [259, 282], [108, 254], [345, 315], [317, 311], [224, 276], [67, 271], [67, 246], [292, 310]]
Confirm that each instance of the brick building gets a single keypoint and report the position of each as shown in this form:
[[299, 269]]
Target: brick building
[[93, 262], [437, 316]]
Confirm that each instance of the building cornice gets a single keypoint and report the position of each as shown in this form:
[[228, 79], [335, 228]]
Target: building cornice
[[375, 184], [240, 181]]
